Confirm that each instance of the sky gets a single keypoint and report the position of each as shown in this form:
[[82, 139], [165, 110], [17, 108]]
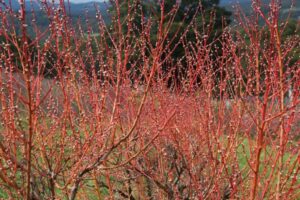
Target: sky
[[84, 1]]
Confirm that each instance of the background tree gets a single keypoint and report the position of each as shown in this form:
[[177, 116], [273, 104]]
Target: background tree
[[179, 23]]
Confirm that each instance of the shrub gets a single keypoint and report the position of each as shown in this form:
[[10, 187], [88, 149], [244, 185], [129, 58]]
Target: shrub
[[117, 130]]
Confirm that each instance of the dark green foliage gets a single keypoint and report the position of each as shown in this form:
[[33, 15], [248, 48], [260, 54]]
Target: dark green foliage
[[190, 15], [47, 69]]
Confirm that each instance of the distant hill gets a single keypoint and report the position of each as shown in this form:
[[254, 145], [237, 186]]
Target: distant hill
[[78, 11], [14, 4], [246, 5], [228, 2], [76, 8]]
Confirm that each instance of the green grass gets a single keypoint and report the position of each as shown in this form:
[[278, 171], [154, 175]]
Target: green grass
[[265, 169]]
